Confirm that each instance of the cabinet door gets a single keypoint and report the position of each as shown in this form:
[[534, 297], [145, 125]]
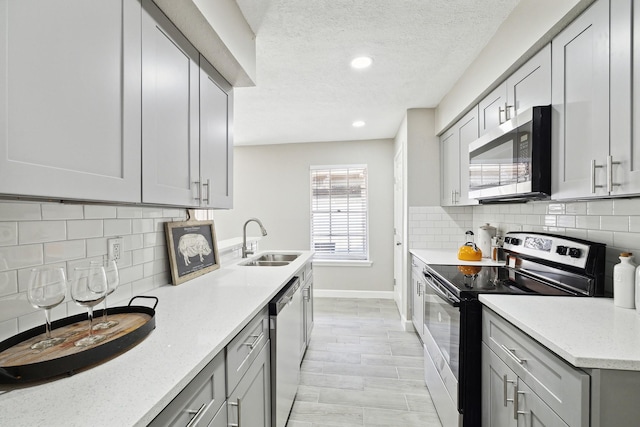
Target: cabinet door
[[492, 109], [170, 98], [220, 420], [531, 84], [498, 388], [532, 411], [624, 176], [250, 403], [216, 142], [70, 91], [580, 98], [467, 129], [450, 164], [417, 300]]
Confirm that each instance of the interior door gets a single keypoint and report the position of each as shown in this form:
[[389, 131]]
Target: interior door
[[398, 226]]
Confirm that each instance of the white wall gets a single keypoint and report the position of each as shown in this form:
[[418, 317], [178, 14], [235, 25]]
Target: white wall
[[530, 26], [272, 183]]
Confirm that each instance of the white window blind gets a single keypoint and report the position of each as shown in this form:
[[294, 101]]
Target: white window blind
[[339, 212]]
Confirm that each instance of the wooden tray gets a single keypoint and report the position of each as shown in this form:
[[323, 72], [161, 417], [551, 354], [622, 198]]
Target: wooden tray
[[20, 363]]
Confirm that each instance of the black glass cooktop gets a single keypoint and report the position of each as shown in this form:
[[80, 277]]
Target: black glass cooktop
[[468, 281]]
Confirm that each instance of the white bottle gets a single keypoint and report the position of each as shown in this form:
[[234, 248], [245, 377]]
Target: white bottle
[[624, 282]]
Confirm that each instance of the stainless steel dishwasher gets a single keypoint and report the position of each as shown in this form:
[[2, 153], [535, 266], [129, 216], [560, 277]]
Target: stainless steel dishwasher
[[285, 312]]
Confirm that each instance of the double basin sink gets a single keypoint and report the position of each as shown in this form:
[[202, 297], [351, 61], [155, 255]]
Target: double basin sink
[[270, 260]]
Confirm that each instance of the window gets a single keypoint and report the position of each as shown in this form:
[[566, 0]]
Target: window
[[339, 212]]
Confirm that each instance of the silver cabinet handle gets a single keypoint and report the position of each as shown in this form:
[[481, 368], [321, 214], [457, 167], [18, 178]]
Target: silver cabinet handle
[[199, 196], [505, 381], [610, 183], [516, 393], [255, 342], [512, 353], [208, 185], [237, 404], [593, 176], [197, 415]]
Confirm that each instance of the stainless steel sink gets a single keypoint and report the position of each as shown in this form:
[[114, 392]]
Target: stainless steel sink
[[277, 257], [270, 260]]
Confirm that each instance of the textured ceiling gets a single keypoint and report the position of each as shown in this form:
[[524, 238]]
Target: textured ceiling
[[306, 90]]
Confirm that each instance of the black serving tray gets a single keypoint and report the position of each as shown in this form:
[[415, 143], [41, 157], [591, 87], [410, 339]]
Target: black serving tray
[[20, 364]]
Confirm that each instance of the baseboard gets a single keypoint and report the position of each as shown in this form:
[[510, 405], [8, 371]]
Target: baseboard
[[330, 293], [407, 325]]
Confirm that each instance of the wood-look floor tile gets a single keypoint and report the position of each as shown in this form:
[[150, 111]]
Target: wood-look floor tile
[[339, 415], [332, 356], [402, 386], [397, 361], [312, 381], [389, 418], [362, 369], [382, 399], [420, 403]]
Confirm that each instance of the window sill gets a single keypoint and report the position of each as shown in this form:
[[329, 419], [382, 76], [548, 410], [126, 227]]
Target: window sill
[[342, 263]]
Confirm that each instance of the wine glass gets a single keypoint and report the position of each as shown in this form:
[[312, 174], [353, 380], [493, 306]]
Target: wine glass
[[113, 280], [47, 288], [88, 288]]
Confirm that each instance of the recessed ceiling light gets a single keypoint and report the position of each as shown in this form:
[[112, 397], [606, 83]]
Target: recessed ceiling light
[[358, 124], [361, 62]]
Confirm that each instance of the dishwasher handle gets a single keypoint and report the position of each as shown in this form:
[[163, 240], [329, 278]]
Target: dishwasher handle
[[284, 297]]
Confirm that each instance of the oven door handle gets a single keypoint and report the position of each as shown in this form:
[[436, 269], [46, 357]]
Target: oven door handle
[[450, 298]]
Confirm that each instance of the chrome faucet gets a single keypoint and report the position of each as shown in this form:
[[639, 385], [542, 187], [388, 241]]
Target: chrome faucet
[[246, 252]]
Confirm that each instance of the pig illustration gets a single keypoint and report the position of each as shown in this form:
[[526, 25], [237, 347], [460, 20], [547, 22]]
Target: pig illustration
[[191, 245]]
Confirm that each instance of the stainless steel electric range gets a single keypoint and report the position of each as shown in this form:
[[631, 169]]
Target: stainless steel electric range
[[536, 264]]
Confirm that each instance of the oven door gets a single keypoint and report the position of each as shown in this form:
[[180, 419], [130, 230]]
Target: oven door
[[442, 348]]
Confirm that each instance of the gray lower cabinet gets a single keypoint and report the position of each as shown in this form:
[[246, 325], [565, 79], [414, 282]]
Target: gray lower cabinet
[[508, 401], [220, 420], [417, 296], [249, 404], [307, 309], [200, 402], [525, 384]]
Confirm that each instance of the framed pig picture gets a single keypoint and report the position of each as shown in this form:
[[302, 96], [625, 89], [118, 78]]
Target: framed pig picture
[[192, 248]]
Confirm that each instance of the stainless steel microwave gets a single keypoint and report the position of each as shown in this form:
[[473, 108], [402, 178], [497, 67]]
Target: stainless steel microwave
[[513, 161]]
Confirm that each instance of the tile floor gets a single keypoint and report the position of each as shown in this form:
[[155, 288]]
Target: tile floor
[[362, 369]]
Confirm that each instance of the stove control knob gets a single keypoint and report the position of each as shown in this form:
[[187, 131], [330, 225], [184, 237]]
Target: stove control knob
[[561, 250], [515, 241], [507, 240], [575, 252]]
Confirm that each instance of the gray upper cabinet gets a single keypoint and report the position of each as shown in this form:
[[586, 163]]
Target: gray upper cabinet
[[529, 86], [70, 90], [170, 108], [580, 98], [454, 149], [216, 142], [624, 157]]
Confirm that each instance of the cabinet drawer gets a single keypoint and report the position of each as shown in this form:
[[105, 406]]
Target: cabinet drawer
[[564, 388], [244, 348], [204, 396]]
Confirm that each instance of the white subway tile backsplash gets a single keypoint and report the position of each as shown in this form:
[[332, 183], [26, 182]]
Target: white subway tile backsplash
[[600, 207], [117, 227], [576, 208], [14, 257], [627, 241], [33, 234], [634, 224], [99, 212], [614, 223], [588, 222], [8, 283], [41, 231], [52, 211], [566, 221], [142, 226], [17, 211], [8, 233], [625, 207], [84, 229], [129, 212], [556, 209]]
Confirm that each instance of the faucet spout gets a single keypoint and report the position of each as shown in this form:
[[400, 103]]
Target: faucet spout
[[246, 252]]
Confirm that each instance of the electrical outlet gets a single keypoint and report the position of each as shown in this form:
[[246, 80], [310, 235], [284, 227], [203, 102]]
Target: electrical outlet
[[114, 248]]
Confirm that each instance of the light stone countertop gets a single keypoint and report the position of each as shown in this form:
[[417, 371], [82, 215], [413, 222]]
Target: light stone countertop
[[586, 332], [448, 257], [194, 321]]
